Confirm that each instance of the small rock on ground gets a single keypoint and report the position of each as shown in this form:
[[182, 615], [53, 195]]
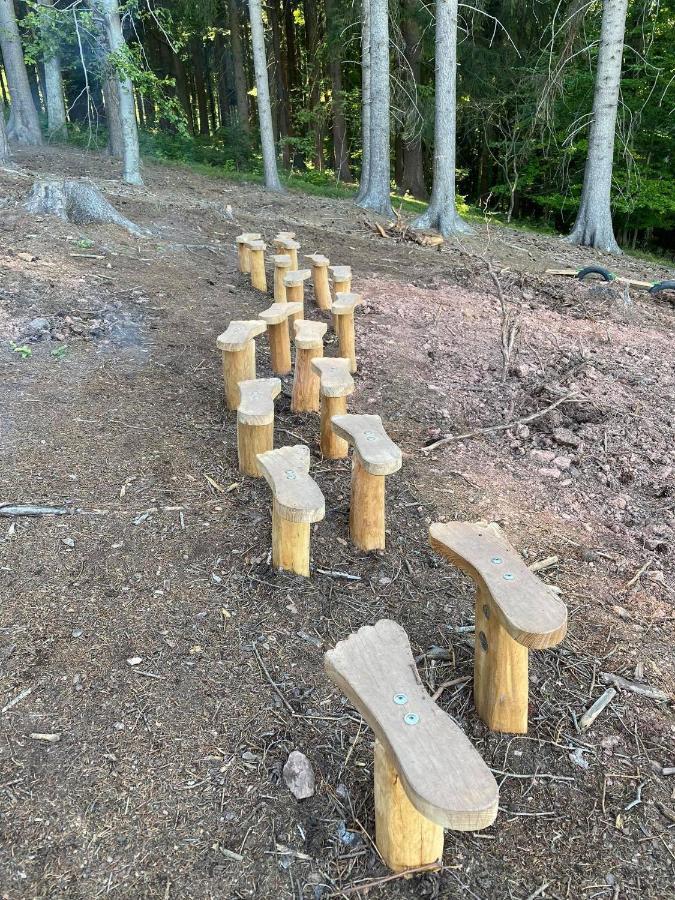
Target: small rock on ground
[[299, 775]]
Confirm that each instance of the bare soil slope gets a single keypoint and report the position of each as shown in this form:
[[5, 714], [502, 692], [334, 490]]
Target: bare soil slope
[[166, 779]]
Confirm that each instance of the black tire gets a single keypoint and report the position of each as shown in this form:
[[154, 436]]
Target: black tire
[[662, 286], [595, 270]]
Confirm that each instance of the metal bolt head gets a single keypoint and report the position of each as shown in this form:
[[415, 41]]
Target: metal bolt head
[[290, 474], [400, 699], [411, 718], [508, 576], [497, 560]]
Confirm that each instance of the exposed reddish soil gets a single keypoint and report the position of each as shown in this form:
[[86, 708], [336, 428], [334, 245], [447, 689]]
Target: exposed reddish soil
[[166, 781]]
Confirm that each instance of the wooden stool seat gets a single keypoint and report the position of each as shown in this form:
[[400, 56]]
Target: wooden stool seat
[[320, 265], [428, 775], [515, 611], [342, 279], [276, 318], [242, 249], [296, 277], [238, 346], [379, 454], [255, 421], [284, 243], [375, 456], [294, 285], [306, 384], [309, 335], [343, 322], [336, 384], [297, 502]]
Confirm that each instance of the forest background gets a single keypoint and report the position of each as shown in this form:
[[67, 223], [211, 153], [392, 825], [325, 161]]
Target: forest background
[[525, 82]]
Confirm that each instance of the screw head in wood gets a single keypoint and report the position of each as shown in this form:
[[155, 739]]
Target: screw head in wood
[[508, 576], [411, 718], [290, 474], [497, 560], [400, 699], [370, 435]]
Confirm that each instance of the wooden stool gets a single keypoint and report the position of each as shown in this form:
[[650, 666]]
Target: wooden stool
[[256, 251], [515, 611], [297, 502], [342, 279], [306, 383], [242, 250], [255, 421], [287, 245], [375, 456], [336, 385], [294, 282], [343, 323], [276, 318], [282, 265], [428, 776], [320, 278], [238, 346]]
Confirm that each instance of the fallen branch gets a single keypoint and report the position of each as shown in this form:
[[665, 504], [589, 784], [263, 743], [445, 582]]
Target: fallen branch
[[376, 882], [492, 428], [592, 714], [28, 510], [644, 690]]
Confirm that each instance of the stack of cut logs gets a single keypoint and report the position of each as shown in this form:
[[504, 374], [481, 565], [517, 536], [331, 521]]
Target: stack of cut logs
[[428, 776]]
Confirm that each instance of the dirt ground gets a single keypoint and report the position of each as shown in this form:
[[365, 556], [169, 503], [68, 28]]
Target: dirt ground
[[166, 780]]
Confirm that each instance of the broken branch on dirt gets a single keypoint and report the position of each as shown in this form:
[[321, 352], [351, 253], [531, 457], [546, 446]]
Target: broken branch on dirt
[[644, 690]]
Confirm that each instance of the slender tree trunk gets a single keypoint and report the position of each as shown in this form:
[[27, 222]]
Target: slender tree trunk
[[365, 100], [131, 158], [272, 182], [111, 99], [197, 53], [238, 63], [291, 55], [377, 196], [593, 227], [24, 125], [442, 212], [4, 145], [314, 76], [182, 92], [340, 152], [56, 108], [283, 110]]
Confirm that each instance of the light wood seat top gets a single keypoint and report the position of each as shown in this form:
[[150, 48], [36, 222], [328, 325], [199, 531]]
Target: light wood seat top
[[285, 235], [248, 236], [291, 278], [255, 245], [297, 497], [308, 334], [341, 272], [318, 259], [282, 260], [286, 242], [256, 403], [527, 609], [444, 776], [379, 454], [278, 312], [336, 379], [345, 303], [239, 333]]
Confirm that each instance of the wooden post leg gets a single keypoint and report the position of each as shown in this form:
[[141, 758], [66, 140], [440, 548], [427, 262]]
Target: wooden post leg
[[306, 384], [238, 366], [296, 294], [251, 440], [321, 287], [290, 544], [279, 286], [244, 259], [345, 332], [366, 509], [343, 287], [404, 837], [258, 278], [500, 682], [332, 446], [280, 348], [293, 253]]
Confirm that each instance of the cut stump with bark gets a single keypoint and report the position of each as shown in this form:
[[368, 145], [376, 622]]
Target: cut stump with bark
[[77, 202]]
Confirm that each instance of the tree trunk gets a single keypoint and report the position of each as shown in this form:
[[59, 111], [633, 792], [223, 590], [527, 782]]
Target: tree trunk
[[314, 73], [56, 108], [340, 152], [365, 100], [378, 194], [283, 110], [442, 212], [593, 227], [112, 115], [238, 63], [177, 69], [4, 146], [131, 159], [24, 125], [198, 68], [272, 182], [291, 56]]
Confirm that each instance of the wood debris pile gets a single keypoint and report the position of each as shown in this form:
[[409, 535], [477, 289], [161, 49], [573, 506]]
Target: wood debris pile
[[400, 231]]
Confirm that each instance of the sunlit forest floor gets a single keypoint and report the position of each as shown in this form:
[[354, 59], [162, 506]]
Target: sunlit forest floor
[[165, 780]]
